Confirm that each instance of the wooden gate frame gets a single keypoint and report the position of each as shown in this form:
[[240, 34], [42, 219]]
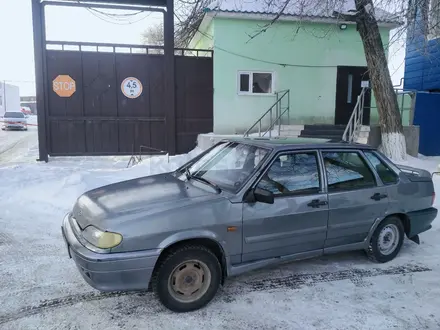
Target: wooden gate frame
[[42, 88]]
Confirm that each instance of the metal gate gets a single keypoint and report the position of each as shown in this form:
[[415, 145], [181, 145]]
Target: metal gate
[[90, 107], [98, 119]]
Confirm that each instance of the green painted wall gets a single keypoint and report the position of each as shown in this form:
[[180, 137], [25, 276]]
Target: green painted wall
[[207, 39], [313, 90]]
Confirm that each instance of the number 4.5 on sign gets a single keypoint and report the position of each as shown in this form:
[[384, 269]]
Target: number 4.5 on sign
[[131, 87]]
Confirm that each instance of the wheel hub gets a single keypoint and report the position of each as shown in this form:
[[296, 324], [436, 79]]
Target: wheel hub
[[388, 239], [189, 281]]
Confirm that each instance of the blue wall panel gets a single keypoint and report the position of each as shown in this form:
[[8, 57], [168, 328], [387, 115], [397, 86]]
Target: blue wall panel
[[427, 116]]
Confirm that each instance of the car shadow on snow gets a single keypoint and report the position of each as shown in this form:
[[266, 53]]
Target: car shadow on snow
[[351, 266]]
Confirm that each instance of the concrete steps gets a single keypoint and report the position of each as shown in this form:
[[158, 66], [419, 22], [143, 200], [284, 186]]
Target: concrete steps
[[291, 130], [332, 132], [363, 135]]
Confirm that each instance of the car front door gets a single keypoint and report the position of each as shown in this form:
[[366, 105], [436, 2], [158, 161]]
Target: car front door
[[297, 220], [355, 197]]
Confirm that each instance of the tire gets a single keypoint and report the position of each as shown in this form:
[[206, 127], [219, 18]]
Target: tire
[[386, 241], [188, 263]]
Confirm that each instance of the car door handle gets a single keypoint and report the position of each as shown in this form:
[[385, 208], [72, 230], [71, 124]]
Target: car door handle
[[378, 196], [317, 203]]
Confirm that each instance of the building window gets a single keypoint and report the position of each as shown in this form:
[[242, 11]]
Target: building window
[[434, 19], [255, 82]]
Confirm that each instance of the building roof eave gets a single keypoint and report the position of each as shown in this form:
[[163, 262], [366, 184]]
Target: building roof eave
[[270, 16]]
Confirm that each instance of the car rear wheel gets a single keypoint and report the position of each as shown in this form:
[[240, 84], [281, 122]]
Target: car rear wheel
[[187, 279], [387, 240]]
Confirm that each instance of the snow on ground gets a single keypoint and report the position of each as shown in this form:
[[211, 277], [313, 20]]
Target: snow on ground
[[13, 144], [40, 287]]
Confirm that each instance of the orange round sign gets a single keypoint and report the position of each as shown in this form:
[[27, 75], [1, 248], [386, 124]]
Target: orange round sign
[[131, 87], [64, 85]]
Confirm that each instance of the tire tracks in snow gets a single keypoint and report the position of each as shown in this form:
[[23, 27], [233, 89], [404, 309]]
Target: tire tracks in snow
[[294, 281]]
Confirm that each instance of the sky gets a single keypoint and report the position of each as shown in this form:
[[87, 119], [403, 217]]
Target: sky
[[67, 24], [79, 24]]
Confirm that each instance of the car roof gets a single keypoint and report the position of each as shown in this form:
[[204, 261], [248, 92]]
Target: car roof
[[289, 143]]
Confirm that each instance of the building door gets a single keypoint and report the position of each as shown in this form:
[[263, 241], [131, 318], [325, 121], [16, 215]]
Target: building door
[[348, 87]]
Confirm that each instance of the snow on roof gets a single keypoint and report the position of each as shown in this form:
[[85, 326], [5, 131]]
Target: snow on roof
[[300, 8]]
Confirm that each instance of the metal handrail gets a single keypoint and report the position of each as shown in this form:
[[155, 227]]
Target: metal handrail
[[273, 123], [278, 115], [355, 119]]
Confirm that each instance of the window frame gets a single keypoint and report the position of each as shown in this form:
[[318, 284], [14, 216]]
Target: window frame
[[251, 79], [377, 180], [385, 163], [319, 165]]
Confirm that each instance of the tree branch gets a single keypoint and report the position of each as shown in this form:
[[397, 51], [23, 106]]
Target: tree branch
[[268, 25]]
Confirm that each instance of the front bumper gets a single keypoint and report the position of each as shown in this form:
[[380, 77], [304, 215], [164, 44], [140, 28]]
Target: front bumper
[[123, 271], [420, 221], [14, 125]]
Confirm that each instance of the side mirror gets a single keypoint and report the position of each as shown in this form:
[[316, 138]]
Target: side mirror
[[260, 195]]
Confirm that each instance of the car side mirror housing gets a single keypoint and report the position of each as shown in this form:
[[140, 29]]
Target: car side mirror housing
[[260, 195]]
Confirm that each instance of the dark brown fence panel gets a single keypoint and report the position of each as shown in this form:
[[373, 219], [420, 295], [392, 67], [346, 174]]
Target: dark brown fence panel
[[101, 136], [68, 137], [64, 63], [194, 100], [100, 84], [98, 119], [147, 127]]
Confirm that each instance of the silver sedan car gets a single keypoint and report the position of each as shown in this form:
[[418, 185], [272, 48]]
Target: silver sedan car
[[241, 205]]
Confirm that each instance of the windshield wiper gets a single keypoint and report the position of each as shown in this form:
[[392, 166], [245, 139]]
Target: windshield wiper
[[212, 184], [189, 176]]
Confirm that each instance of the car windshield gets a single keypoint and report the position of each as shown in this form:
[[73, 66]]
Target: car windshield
[[228, 165], [14, 115]]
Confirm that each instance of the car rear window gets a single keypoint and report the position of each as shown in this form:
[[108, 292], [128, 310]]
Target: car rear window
[[14, 115], [385, 173]]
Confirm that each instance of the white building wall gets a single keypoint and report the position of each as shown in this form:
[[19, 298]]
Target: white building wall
[[9, 98]]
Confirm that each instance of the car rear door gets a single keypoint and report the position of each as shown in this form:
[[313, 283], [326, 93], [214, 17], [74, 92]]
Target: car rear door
[[355, 194], [297, 220]]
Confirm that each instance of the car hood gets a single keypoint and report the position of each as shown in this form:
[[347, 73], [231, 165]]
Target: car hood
[[111, 205]]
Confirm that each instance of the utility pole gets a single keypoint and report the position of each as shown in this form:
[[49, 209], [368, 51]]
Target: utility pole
[[4, 93]]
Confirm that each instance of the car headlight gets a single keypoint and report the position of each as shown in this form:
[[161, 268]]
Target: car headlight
[[101, 239]]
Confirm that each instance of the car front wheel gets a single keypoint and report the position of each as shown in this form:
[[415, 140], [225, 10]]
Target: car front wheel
[[188, 278], [386, 241]]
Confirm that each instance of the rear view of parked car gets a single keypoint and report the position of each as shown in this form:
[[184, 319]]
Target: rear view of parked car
[[14, 120], [242, 205]]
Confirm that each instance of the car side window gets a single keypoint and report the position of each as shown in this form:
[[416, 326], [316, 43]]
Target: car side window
[[292, 174], [347, 171], [387, 175]]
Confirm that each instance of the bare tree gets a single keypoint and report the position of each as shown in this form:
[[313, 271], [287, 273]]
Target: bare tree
[[154, 35], [393, 140], [364, 15]]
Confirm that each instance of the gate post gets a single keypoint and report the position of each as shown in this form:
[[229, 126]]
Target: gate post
[[39, 48], [170, 84]]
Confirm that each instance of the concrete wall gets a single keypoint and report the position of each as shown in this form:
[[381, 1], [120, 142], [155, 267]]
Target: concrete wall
[[412, 134], [311, 52]]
